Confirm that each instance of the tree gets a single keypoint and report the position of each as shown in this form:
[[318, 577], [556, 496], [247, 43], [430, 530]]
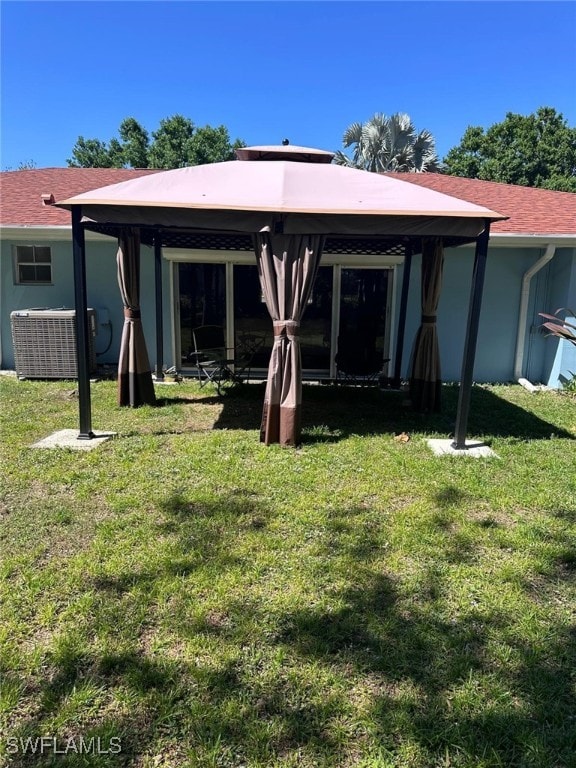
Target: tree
[[175, 144], [537, 150], [171, 143], [212, 145], [23, 165], [388, 144], [93, 153], [135, 143]]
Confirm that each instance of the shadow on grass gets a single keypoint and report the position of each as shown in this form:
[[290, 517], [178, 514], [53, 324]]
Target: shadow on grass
[[435, 682], [332, 413], [309, 685], [89, 662], [164, 402]]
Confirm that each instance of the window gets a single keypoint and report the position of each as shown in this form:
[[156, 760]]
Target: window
[[32, 264]]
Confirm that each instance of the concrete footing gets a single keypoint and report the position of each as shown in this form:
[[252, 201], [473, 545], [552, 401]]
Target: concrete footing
[[68, 438], [473, 448]]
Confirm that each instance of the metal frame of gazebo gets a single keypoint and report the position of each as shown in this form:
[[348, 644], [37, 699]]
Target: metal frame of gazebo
[[159, 224]]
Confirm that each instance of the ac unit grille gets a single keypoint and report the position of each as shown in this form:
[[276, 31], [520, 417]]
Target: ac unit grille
[[45, 343]]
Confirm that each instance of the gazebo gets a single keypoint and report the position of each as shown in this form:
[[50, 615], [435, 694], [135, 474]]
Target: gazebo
[[288, 204]]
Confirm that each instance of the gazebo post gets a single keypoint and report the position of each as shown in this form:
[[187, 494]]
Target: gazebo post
[[475, 305], [159, 314], [402, 316], [241, 198], [82, 341]]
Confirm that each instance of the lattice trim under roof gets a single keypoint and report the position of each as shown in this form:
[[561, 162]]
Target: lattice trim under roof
[[223, 241], [352, 245]]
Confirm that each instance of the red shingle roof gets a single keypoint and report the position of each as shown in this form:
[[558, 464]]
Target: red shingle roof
[[21, 191], [531, 211]]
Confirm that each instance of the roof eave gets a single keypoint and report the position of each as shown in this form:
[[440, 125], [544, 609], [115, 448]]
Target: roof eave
[[54, 232], [533, 239], [50, 233]]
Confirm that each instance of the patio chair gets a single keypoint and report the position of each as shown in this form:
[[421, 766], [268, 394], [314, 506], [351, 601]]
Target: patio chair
[[358, 360], [248, 345], [212, 359]]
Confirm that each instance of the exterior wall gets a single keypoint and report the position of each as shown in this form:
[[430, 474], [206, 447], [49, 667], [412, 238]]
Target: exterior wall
[[102, 293], [498, 320], [552, 361], [14, 297], [553, 287]]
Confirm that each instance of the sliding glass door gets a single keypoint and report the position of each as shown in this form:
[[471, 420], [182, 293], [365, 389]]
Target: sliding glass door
[[202, 301], [252, 324], [348, 306], [362, 328]]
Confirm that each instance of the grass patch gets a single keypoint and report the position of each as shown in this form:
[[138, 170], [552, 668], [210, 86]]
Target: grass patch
[[198, 599]]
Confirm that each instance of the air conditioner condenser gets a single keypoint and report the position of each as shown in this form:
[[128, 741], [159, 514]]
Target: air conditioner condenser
[[45, 343]]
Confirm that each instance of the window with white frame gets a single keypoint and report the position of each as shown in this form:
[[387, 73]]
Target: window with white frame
[[32, 264]]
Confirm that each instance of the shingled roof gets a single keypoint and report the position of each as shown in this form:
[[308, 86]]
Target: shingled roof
[[531, 211], [22, 191]]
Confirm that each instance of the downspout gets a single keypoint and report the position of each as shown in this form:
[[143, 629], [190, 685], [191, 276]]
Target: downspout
[[523, 315]]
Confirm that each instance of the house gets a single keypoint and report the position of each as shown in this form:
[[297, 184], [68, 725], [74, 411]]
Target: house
[[531, 268]]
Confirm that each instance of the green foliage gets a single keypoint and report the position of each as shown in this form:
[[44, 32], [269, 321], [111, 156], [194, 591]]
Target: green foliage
[[537, 150], [171, 145], [558, 325], [388, 144], [570, 384], [23, 165], [175, 144], [135, 143], [212, 145], [93, 153]]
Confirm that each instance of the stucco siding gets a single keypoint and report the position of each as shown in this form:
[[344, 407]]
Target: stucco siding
[[498, 320], [556, 289], [554, 286], [13, 297], [102, 293]]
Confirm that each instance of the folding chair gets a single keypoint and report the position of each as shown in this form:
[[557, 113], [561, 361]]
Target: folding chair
[[211, 357], [247, 346], [358, 361]]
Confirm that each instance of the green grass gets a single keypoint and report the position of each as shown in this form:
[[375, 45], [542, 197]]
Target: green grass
[[209, 601]]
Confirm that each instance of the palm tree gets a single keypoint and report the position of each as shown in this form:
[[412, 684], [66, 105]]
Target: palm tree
[[389, 144]]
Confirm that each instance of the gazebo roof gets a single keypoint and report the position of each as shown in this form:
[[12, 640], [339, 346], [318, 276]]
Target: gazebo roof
[[246, 196], [286, 203]]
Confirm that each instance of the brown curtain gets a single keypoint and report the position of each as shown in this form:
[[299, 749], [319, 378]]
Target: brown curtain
[[425, 382], [287, 265], [135, 385]]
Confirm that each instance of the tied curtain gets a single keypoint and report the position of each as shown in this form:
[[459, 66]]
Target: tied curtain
[[425, 382], [135, 385], [287, 266]]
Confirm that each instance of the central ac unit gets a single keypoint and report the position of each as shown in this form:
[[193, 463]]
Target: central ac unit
[[45, 343]]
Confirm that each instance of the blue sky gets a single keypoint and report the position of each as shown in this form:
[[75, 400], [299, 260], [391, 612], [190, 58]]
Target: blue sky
[[273, 70]]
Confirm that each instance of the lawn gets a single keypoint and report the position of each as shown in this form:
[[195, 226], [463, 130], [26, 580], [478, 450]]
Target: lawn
[[185, 597]]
